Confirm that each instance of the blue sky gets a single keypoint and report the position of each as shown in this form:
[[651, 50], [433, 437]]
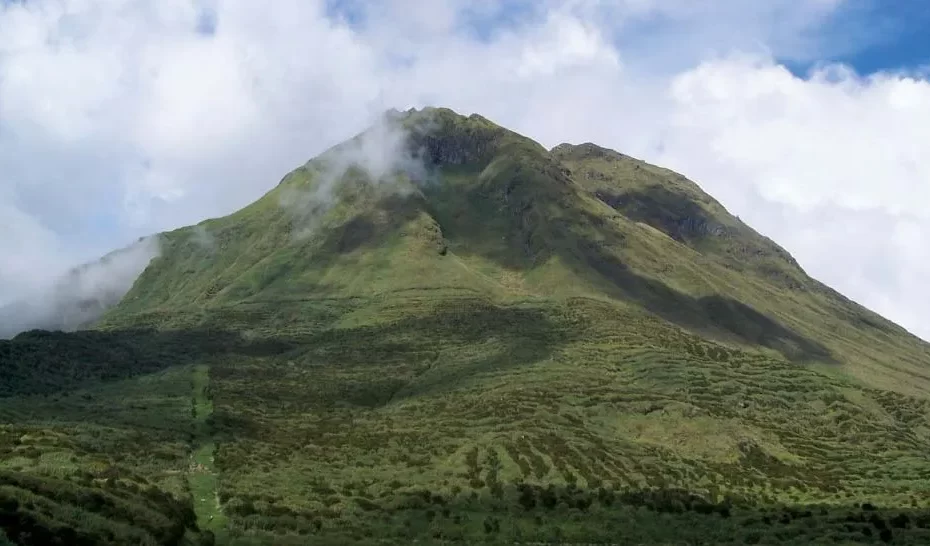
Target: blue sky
[[123, 119], [867, 35], [877, 36]]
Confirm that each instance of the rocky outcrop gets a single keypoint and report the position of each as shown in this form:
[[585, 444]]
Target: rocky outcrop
[[456, 149], [441, 138], [674, 215]]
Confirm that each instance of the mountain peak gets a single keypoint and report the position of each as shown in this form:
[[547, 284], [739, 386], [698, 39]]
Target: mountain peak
[[586, 150], [445, 137], [431, 136], [443, 199]]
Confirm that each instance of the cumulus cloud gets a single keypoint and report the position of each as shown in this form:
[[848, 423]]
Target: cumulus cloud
[[123, 118]]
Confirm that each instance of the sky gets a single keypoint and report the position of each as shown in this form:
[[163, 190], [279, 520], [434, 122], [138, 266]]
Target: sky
[[809, 119]]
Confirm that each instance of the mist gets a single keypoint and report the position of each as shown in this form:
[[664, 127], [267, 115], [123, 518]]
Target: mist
[[82, 295], [381, 156], [203, 238]]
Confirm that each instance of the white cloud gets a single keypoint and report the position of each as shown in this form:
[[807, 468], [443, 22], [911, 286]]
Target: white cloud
[[831, 167], [831, 139], [119, 113], [29, 250], [72, 301]]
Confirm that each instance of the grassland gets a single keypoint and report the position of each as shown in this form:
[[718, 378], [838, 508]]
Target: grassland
[[579, 422], [97, 458], [518, 346], [462, 419]]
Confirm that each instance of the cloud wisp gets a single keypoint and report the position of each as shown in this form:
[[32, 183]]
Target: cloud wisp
[[381, 156], [82, 295]]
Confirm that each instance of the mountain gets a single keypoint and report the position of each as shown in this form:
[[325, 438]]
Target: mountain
[[442, 331]]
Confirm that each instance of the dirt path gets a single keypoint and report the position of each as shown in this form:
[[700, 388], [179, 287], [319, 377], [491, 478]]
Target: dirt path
[[201, 473]]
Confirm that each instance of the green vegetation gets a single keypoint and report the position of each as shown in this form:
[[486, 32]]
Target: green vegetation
[[513, 345], [97, 465], [99, 453]]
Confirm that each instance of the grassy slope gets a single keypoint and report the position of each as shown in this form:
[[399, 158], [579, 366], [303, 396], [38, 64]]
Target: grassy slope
[[748, 266], [532, 345], [350, 429]]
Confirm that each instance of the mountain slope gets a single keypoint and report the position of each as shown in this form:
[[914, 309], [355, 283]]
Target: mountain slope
[[750, 267], [518, 221], [440, 330]]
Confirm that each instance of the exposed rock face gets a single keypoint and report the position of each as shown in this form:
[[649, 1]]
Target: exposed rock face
[[443, 149], [672, 214], [441, 138]]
